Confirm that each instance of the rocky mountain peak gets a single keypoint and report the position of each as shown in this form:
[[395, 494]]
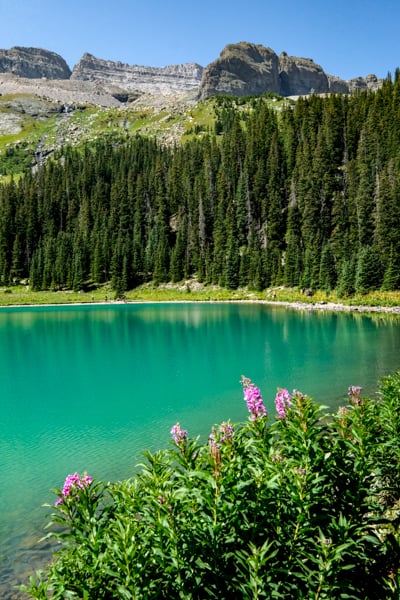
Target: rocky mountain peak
[[240, 68], [248, 69], [33, 63]]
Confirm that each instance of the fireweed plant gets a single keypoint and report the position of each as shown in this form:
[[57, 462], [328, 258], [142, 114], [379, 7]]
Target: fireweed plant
[[299, 504]]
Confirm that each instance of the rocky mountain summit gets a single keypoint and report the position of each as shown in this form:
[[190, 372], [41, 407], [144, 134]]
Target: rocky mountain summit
[[245, 69], [33, 63]]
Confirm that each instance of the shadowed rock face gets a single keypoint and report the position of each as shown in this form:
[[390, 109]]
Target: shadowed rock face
[[249, 69], [300, 76], [153, 80], [33, 63], [242, 69]]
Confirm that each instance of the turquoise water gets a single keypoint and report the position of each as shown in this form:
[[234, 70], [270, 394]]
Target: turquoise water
[[88, 388]]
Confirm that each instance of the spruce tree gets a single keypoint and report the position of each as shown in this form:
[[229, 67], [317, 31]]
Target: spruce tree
[[347, 278], [327, 270], [369, 270], [391, 278], [293, 264]]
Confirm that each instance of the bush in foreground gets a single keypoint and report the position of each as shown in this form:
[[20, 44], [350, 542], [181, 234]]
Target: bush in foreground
[[303, 505]]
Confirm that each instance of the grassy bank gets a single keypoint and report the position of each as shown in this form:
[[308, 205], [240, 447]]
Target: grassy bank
[[191, 291]]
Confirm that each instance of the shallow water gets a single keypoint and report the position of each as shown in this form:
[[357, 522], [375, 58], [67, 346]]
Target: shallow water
[[89, 388]]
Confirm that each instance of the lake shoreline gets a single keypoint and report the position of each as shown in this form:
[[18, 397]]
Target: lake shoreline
[[296, 305]]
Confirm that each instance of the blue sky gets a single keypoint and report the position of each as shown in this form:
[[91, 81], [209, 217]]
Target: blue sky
[[347, 38]]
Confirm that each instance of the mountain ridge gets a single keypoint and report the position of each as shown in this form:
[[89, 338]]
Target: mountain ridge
[[179, 78], [241, 69]]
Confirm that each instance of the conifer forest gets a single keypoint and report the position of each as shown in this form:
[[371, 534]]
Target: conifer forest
[[307, 196]]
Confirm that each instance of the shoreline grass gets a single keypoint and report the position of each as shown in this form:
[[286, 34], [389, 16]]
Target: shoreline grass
[[22, 295]]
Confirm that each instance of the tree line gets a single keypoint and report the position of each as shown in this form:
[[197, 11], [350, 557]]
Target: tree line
[[308, 195]]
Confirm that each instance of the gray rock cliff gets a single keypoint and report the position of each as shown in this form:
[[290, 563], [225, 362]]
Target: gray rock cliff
[[240, 70], [172, 79], [249, 69], [299, 76], [33, 63]]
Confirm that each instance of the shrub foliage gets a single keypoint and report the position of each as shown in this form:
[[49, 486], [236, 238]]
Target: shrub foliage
[[304, 504]]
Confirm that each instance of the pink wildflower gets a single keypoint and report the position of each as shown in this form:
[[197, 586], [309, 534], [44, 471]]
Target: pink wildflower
[[282, 402], [253, 399], [224, 435], [179, 435], [354, 393], [72, 484]]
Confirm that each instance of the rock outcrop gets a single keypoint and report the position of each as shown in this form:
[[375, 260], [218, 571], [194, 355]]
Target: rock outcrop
[[249, 69], [240, 70], [371, 82], [151, 80], [299, 76], [33, 63]]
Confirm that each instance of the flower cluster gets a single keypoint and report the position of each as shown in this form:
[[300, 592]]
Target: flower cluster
[[354, 393], [179, 435], [223, 436], [226, 432], [282, 402], [72, 484], [253, 399]]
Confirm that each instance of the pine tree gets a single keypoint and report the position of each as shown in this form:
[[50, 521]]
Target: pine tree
[[327, 270], [387, 231], [347, 278], [161, 263], [293, 266], [369, 270], [365, 203], [232, 258], [178, 256], [391, 278], [35, 274], [17, 263]]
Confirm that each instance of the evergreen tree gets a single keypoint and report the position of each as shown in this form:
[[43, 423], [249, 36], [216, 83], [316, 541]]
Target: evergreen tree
[[369, 270], [327, 270], [293, 265], [366, 187], [178, 269], [347, 278], [391, 278], [232, 258]]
